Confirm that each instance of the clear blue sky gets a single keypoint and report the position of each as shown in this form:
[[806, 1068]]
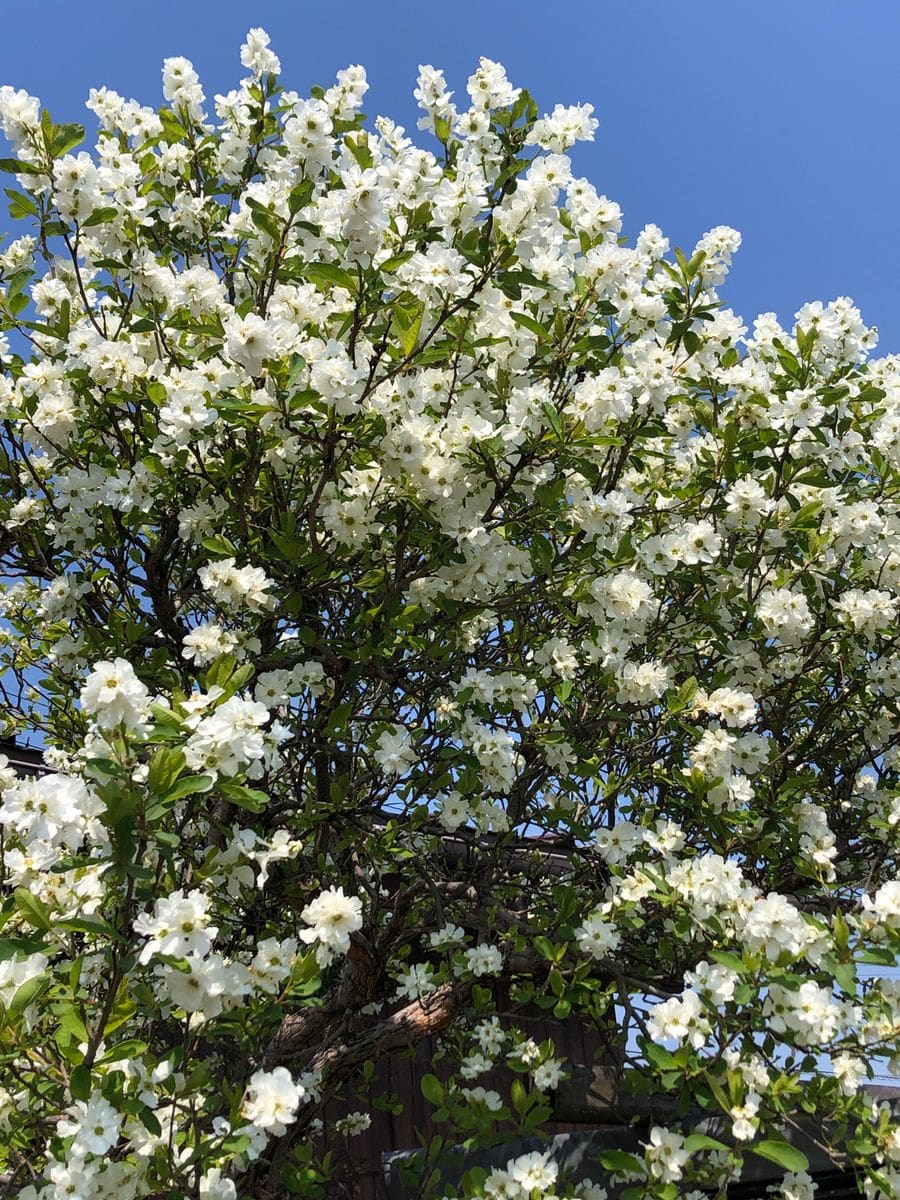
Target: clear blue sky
[[779, 117]]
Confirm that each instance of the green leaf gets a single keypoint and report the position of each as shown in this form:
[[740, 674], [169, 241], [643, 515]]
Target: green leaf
[[545, 948], [552, 418], [845, 974], [34, 911], [240, 676], [682, 697], [442, 129], [71, 1021], [189, 785], [841, 933], [359, 148], [219, 545], [267, 222], [300, 196], [620, 1162], [20, 205], [528, 322], [65, 313], [94, 925], [130, 1048], [782, 1153], [219, 673], [725, 959], [25, 995], [66, 138], [542, 554], [370, 580], [237, 1143], [163, 769], [16, 167], [880, 955], [408, 321], [659, 1056], [80, 1083], [699, 1141], [99, 217], [243, 797], [397, 260], [432, 1089], [10, 947], [149, 1120], [328, 275], [123, 1010], [289, 548], [556, 982]]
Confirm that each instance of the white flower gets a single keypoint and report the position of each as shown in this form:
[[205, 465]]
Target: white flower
[[716, 981], [354, 1123], [272, 963], [57, 810], [478, 1095], [237, 587], [527, 1051], [447, 935], [206, 643], [868, 612], [16, 970], [281, 846], [590, 1191], [884, 906], [473, 1065], [533, 1172], [256, 55], [214, 1186], [394, 751], [453, 811], [679, 1019], [547, 1074], [417, 981], [95, 1125], [563, 128], [484, 959], [734, 707], [179, 926], [775, 927], [272, 1100], [490, 1035], [850, 1071], [784, 614], [248, 342], [229, 738], [619, 843], [797, 1185], [113, 695], [642, 683], [743, 1118], [808, 1013], [597, 936], [665, 1154], [333, 917]]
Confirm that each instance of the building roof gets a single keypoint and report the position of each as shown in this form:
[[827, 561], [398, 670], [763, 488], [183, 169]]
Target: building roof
[[577, 1152]]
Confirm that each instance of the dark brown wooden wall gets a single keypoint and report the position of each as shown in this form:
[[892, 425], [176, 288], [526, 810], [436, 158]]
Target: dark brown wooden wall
[[401, 1074]]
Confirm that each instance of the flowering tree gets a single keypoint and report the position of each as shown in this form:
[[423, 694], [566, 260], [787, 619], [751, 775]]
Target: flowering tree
[[370, 511]]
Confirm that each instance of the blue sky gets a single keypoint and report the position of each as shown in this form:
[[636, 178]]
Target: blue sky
[[779, 117]]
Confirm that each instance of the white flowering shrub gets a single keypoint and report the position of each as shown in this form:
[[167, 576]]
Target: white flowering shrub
[[369, 510]]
